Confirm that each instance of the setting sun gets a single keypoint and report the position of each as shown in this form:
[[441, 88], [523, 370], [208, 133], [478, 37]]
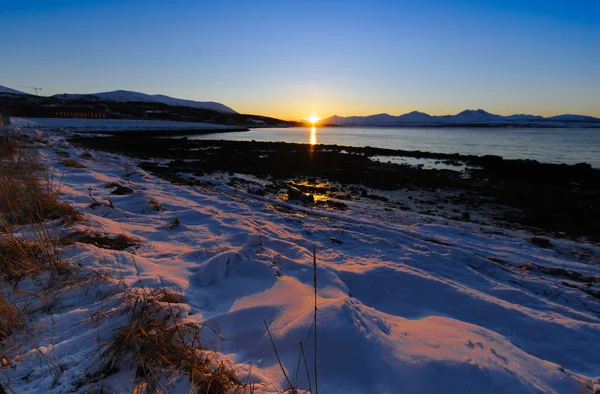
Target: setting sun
[[313, 119]]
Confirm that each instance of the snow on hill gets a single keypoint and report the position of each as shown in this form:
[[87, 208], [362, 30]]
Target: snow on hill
[[524, 117], [125, 96], [380, 119], [574, 118], [475, 116], [4, 89], [467, 117], [415, 116]]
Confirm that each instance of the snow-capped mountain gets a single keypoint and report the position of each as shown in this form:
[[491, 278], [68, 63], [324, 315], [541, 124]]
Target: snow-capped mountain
[[524, 117], [4, 89], [475, 116], [573, 118], [125, 96], [380, 119], [467, 117], [415, 116]]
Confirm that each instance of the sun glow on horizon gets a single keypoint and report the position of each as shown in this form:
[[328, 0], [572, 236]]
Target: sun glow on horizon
[[313, 119]]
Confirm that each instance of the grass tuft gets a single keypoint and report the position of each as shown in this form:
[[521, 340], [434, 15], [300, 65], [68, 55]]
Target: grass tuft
[[26, 194], [163, 294], [19, 258], [161, 346], [11, 318], [155, 205]]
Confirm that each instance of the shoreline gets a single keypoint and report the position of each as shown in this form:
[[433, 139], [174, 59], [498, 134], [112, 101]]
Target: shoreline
[[563, 199], [169, 133], [573, 125]]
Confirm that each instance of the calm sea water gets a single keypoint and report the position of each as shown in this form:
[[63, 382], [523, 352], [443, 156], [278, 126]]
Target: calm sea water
[[545, 145]]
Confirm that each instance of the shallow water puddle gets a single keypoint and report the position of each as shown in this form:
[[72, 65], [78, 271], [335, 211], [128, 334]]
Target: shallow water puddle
[[427, 164]]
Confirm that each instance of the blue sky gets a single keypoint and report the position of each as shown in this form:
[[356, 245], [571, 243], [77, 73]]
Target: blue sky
[[284, 58]]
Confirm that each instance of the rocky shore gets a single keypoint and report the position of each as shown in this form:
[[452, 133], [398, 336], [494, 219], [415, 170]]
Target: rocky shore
[[562, 199]]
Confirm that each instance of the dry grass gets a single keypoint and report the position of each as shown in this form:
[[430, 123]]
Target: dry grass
[[11, 318], [154, 337], [7, 148], [163, 294], [173, 224], [291, 387], [28, 255], [72, 163], [155, 205], [28, 246], [27, 200], [26, 195], [19, 258], [162, 347]]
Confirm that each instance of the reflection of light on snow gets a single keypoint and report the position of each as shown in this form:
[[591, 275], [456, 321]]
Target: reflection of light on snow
[[313, 135]]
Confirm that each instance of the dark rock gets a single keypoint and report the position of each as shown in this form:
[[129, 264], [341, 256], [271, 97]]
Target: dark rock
[[174, 224], [177, 163], [335, 240], [111, 185], [122, 191], [296, 194], [376, 197], [257, 190], [541, 242], [332, 204]]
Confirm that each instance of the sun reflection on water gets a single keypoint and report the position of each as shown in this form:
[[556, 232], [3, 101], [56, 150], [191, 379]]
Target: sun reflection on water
[[313, 135]]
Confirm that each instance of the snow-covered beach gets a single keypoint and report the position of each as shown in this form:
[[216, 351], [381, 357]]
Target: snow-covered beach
[[119, 125], [407, 302]]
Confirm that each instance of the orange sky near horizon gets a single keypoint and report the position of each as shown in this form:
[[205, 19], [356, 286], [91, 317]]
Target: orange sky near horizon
[[325, 110]]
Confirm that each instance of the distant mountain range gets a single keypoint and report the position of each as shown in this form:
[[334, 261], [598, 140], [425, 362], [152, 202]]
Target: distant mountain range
[[468, 117], [127, 96]]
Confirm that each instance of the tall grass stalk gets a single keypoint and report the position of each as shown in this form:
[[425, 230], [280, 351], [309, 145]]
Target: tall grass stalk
[[315, 316]]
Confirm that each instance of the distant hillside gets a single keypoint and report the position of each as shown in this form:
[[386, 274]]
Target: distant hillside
[[468, 117], [127, 96], [4, 89], [130, 105]]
